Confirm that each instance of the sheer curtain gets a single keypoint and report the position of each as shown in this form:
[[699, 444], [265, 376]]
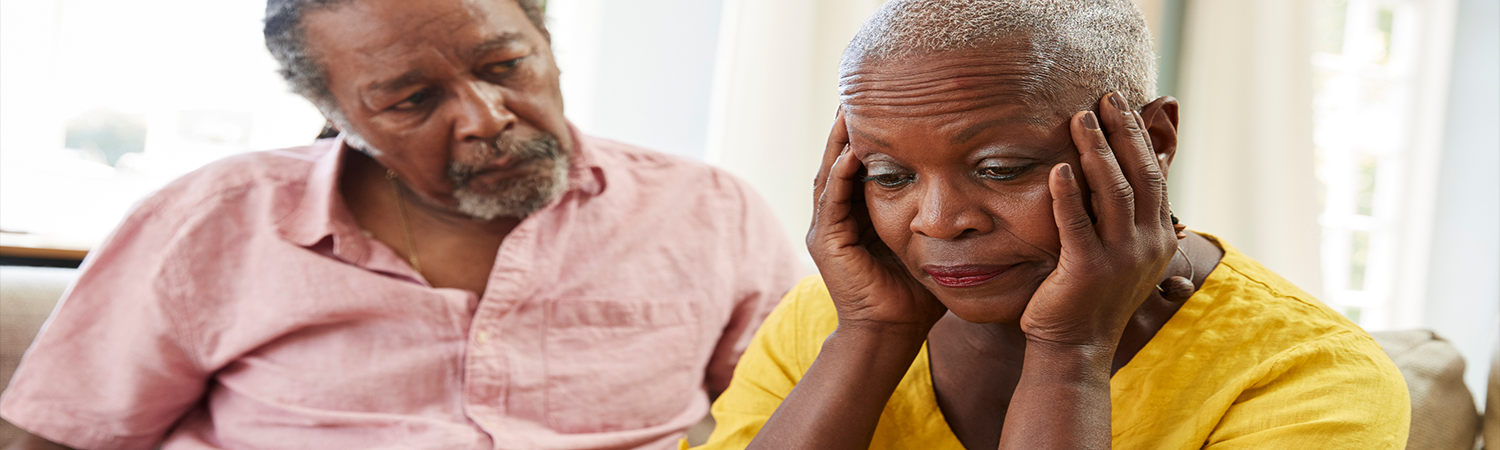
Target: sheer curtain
[[1245, 168], [775, 94]]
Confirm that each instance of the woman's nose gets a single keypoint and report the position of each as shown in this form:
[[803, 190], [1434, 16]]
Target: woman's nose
[[481, 114], [947, 212]]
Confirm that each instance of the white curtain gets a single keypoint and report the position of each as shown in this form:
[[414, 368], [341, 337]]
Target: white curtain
[[1244, 168], [775, 94]]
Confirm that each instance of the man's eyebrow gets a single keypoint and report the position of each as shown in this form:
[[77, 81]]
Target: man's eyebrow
[[974, 130], [398, 83], [870, 138], [497, 42]]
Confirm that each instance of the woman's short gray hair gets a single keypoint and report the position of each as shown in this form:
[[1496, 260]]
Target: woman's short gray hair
[[1091, 47]]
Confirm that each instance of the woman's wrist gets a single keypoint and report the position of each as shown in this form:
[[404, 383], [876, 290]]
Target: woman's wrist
[[1070, 362], [881, 337]]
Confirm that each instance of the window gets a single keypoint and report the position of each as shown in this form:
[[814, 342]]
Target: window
[[1380, 67], [105, 101]]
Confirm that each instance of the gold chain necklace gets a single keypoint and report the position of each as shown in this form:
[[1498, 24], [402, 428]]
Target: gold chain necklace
[[411, 246]]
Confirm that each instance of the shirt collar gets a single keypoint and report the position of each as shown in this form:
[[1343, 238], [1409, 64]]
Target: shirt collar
[[322, 213]]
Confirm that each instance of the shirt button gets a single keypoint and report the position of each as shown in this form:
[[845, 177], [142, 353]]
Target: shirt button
[[481, 337]]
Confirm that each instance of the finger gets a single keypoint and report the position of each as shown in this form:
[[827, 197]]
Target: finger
[[1114, 200], [833, 224], [838, 139], [1127, 136], [1073, 225]]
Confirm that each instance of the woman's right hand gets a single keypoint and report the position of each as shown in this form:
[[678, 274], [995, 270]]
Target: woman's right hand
[[869, 284]]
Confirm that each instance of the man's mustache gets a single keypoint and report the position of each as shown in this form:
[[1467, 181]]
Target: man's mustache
[[541, 148]]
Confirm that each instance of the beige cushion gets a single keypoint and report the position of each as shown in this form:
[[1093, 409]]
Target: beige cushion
[[1443, 416], [27, 295], [1492, 405]]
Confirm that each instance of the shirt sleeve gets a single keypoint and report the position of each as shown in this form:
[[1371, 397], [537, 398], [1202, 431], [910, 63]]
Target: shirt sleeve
[[770, 267], [108, 370], [769, 370], [1340, 392]]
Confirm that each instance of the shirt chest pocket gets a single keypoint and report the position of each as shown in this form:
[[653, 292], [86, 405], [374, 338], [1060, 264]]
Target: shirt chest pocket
[[617, 365]]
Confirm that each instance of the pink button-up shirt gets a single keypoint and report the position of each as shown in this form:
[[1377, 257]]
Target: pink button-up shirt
[[243, 307]]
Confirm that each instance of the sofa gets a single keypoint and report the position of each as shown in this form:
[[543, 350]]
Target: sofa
[[1444, 416]]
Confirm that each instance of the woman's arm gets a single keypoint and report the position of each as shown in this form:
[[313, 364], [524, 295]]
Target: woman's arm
[[1106, 270], [884, 316]]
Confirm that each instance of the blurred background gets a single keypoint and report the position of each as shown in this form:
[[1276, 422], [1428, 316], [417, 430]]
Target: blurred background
[[1351, 145]]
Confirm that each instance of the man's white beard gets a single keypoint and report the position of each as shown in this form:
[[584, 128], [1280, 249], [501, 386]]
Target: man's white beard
[[517, 197]]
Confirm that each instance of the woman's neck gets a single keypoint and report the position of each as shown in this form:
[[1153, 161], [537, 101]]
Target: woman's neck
[[975, 367]]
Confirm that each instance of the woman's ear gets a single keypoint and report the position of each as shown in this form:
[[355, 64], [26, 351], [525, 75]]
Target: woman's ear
[[1161, 125]]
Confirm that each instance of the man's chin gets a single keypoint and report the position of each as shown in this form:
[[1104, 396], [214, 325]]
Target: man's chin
[[517, 202]]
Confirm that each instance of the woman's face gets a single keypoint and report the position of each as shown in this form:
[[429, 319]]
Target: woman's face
[[956, 166]]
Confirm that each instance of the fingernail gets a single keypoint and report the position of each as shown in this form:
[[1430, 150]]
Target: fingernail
[[1066, 172], [1089, 121], [1117, 100]]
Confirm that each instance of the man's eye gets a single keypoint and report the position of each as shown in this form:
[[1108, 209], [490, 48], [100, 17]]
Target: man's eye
[[414, 101], [888, 179], [1003, 173], [503, 67]]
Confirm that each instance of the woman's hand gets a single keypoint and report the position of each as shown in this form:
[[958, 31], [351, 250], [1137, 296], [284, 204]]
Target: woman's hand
[[869, 285], [884, 317], [1106, 268]]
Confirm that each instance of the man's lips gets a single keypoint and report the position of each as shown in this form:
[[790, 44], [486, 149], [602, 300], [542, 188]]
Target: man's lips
[[965, 275], [503, 169]]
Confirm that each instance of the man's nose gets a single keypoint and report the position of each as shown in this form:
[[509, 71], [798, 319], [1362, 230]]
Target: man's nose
[[481, 113], [947, 212]]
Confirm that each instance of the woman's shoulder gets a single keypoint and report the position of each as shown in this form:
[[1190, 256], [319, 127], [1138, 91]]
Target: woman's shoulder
[[1243, 295], [1258, 355], [803, 319]]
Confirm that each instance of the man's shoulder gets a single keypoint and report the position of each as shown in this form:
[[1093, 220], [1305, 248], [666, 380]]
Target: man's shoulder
[[272, 171], [659, 170]]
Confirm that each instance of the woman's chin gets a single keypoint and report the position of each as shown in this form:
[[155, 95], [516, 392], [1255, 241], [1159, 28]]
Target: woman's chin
[[986, 309]]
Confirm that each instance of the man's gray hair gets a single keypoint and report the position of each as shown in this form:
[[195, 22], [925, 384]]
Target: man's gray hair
[[286, 38], [1090, 47]]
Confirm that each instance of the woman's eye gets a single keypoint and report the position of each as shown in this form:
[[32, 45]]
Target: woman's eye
[[1002, 173], [888, 179]]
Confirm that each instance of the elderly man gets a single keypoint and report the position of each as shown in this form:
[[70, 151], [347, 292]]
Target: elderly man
[[460, 269]]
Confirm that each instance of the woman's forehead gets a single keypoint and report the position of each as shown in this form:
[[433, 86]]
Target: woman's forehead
[[1007, 125]]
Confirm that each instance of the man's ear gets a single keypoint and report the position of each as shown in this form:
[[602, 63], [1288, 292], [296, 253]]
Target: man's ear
[[1161, 125]]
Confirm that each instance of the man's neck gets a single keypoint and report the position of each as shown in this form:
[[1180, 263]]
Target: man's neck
[[453, 250]]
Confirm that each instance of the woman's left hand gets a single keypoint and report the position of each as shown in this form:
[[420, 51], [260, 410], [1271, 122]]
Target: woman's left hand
[[1107, 268]]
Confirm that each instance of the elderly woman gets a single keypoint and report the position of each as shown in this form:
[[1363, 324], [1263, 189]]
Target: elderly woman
[[1000, 266]]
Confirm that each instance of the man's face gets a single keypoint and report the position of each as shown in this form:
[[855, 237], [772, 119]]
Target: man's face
[[956, 160], [459, 98]]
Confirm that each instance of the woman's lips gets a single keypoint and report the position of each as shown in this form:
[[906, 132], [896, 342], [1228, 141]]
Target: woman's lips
[[964, 276]]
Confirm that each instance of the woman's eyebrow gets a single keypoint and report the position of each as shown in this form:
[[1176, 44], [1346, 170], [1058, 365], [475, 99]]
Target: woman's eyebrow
[[974, 130], [868, 137]]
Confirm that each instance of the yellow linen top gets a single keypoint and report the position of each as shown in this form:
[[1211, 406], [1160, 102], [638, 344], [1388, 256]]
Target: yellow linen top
[[1250, 361]]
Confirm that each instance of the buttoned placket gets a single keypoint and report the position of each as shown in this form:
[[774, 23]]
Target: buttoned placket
[[487, 361]]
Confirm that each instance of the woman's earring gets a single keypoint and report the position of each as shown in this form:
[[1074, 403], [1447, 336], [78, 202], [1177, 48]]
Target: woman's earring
[[1179, 228], [1179, 288]]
